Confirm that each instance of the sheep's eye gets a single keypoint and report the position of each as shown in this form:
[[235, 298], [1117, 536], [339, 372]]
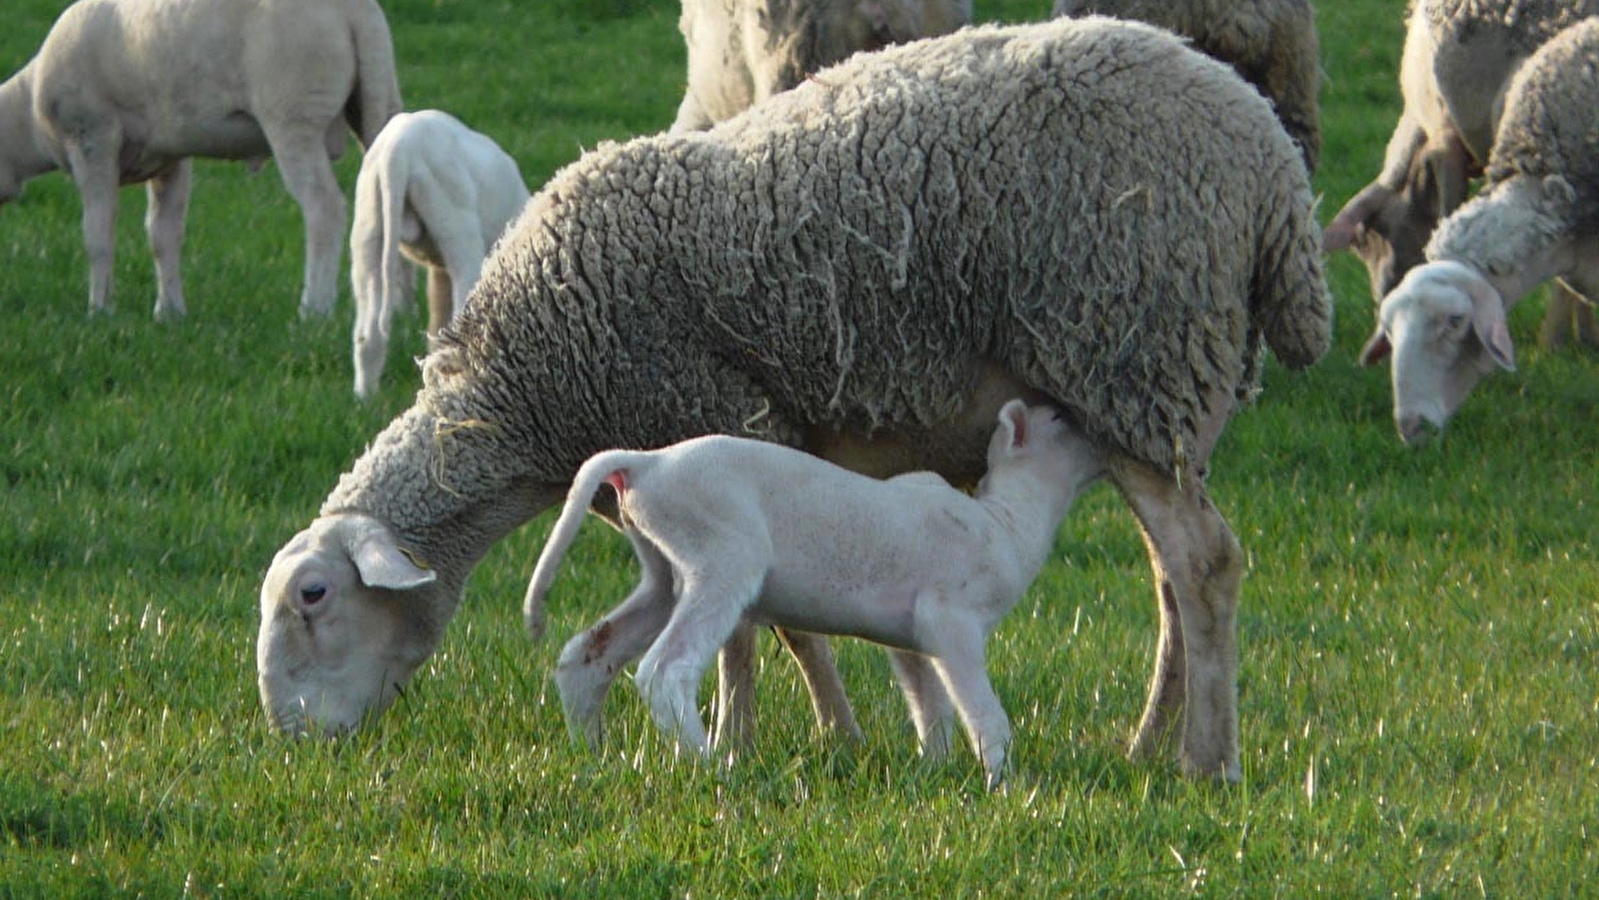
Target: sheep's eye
[[313, 594], [1455, 322]]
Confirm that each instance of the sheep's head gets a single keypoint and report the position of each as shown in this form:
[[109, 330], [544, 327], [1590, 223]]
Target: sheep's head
[[1444, 326], [339, 639], [1037, 442], [1389, 229]]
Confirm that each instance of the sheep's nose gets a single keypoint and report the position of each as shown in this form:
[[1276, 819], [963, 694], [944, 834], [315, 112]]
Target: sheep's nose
[[1418, 431]]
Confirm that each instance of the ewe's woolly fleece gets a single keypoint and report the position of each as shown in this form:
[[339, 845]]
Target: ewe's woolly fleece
[[1111, 217], [1523, 24], [1549, 134], [1271, 43]]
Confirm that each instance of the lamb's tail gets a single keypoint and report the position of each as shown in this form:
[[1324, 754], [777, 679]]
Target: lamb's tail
[[1292, 306], [599, 469], [377, 88]]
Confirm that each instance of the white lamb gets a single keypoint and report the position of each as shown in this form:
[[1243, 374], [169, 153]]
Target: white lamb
[[728, 527], [439, 193], [126, 91]]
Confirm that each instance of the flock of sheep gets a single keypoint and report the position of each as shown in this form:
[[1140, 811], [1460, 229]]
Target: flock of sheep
[[868, 232]]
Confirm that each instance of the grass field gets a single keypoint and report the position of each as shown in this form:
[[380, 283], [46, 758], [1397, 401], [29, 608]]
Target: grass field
[[1419, 630]]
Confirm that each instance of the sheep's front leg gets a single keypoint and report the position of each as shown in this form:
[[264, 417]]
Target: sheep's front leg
[[167, 207], [590, 662], [303, 163], [92, 160], [1198, 565], [962, 665], [929, 702]]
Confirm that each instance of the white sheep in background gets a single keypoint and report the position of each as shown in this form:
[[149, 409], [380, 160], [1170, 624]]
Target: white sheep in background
[[727, 528], [1457, 66], [742, 51], [840, 270], [439, 193], [126, 91], [1271, 43], [1535, 218]]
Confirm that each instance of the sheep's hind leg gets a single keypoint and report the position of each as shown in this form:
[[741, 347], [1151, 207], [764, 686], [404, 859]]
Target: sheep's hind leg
[[820, 670], [167, 207], [590, 662], [303, 163], [1198, 565]]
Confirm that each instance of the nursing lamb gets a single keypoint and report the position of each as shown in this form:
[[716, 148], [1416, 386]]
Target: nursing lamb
[[728, 528], [1535, 218], [439, 193], [866, 267], [126, 91]]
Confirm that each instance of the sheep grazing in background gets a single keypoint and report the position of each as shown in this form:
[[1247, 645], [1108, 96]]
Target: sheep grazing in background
[[439, 193], [742, 51], [1271, 43], [727, 527], [836, 270], [1458, 62], [126, 91], [1535, 218]]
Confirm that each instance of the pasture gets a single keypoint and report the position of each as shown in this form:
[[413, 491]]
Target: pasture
[[1419, 629]]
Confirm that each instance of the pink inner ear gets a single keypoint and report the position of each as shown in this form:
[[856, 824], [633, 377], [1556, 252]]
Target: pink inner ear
[[618, 481]]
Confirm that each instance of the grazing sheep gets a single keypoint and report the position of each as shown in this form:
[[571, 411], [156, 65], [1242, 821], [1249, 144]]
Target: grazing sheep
[[728, 527], [865, 267], [742, 51], [1458, 61], [1536, 217], [441, 194], [1271, 43], [126, 91]]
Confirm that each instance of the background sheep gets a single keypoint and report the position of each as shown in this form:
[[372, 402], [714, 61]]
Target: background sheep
[[836, 270], [439, 193], [1271, 43], [126, 91], [1536, 217], [1458, 61], [725, 526], [742, 51]]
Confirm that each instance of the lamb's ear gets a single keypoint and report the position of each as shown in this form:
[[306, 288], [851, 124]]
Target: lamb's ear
[[383, 563], [1488, 321], [1377, 348], [1013, 418]]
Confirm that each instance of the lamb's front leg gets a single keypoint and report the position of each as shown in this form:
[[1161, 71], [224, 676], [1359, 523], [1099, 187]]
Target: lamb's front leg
[[930, 706], [92, 161], [167, 207]]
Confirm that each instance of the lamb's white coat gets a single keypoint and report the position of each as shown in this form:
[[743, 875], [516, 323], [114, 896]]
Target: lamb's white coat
[[438, 193], [126, 91], [727, 527]]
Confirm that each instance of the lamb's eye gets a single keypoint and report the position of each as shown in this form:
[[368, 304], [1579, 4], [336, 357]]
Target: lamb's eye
[[312, 594], [1455, 322]]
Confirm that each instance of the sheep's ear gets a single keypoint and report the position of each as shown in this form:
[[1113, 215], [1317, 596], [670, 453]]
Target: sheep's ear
[[1013, 419], [1488, 321], [383, 563], [1340, 232], [1377, 348]]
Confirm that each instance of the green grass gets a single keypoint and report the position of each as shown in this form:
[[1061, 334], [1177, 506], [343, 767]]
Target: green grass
[[1419, 631]]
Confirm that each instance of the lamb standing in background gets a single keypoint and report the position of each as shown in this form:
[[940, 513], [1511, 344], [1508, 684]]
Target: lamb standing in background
[[837, 271], [1271, 43], [728, 527], [126, 91], [742, 51], [439, 193], [1458, 61], [1536, 218]]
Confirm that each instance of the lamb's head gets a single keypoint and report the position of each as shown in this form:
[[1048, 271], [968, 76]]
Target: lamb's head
[[1036, 443], [1444, 326], [338, 638], [1388, 228]]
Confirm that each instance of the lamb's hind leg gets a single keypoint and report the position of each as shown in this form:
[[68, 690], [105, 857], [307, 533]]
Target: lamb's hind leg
[[590, 662], [303, 163], [1197, 566]]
